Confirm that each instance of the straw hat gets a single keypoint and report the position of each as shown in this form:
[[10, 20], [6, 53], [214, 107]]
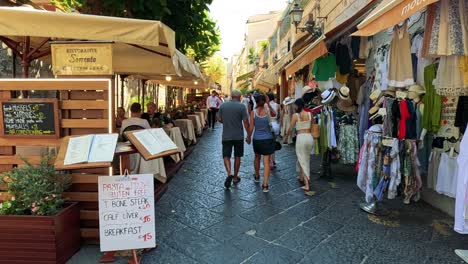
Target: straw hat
[[415, 91], [374, 96], [343, 93], [307, 89], [328, 96], [346, 105], [374, 110]]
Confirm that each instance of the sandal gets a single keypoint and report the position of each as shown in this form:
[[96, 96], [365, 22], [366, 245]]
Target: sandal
[[265, 188], [236, 182], [228, 182], [309, 193], [256, 180]]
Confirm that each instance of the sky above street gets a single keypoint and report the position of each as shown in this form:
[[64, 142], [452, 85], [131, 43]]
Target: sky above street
[[231, 16]]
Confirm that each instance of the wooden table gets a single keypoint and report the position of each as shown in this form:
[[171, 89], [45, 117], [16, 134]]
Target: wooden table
[[187, 129]]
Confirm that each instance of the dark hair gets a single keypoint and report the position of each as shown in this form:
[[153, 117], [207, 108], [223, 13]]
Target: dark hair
[[300, 105], [135, 108], [271, 96], [260, 98]]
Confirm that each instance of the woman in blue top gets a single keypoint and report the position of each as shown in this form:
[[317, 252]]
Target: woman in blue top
[[263, 141]]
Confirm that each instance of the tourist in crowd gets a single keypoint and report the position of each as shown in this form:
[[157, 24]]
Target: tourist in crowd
[[263, 141], [135, 118], [151, 116], [232, 115], [213, 103], [120, 117], [274, 125], [246, 101], [303, 121]]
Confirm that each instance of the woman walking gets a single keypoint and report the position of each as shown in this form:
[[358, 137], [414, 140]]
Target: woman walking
[[303, 121], [263, 140], [274, 125]]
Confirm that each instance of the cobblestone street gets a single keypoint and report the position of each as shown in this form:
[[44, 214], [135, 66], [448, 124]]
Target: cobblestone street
[[200, 222]]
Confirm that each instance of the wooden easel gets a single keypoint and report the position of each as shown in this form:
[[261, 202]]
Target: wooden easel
[[124, 160]]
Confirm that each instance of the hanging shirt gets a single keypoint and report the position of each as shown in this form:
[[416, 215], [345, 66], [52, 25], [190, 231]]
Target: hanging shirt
[[404, 115], [432, 101], [400, 73], [324, 68], [461, 223]]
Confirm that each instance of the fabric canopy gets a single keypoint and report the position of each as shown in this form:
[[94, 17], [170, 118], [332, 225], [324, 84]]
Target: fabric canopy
[[314, 51], [389, 13], [270, 77], [140, 46]]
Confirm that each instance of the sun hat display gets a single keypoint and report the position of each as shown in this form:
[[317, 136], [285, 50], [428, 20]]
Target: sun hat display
[[343, 93], [307, 89], [346, 105], [374, 109], [415, 91], [374, 96], [328, 96], [288, 100]]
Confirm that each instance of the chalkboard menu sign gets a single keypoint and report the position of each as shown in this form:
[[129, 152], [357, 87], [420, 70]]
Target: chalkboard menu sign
[[29, 118]]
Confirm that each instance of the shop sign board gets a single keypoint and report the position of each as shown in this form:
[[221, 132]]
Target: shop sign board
[[82, 59], [29, 118], [126, 212]]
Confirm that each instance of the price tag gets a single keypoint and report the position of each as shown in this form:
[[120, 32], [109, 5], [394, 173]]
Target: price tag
[[401, 94], [388, 142]]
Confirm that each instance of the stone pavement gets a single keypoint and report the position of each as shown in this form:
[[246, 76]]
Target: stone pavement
[[197, 221]]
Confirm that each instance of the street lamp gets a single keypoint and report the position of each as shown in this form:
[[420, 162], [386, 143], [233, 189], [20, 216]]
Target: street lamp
[[296, 13]]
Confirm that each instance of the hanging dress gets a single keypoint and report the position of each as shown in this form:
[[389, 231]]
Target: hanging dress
[[400, 73]]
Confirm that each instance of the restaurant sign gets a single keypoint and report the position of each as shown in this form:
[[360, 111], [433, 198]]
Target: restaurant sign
[[82, 59]]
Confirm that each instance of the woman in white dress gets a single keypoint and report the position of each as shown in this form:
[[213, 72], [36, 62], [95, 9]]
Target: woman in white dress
[[303, 121]]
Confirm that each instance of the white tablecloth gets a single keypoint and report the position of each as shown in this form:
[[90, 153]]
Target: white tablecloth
[[202, 118], [156, 167], [176, 136], [196, 122], [187, 129]]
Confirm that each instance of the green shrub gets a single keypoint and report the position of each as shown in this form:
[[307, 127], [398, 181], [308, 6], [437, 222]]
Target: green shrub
[[35, 189]]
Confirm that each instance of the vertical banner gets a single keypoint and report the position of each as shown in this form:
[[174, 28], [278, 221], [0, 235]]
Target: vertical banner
[[126, 212]]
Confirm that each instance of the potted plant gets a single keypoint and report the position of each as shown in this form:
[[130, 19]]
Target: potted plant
[[37, 225]]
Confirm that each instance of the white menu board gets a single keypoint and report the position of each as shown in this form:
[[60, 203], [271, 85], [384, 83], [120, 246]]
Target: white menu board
[[126, 212]]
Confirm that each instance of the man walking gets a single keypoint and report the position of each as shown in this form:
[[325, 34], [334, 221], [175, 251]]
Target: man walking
[[232, 115], [212, 103]]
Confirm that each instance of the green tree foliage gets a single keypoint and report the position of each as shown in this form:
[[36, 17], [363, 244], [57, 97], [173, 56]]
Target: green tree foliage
[[195, 31], [215, 68]]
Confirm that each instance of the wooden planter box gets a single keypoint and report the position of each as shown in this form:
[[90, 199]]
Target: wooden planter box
[[40, 239]]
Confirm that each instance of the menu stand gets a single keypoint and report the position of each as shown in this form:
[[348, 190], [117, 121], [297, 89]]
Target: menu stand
[[124, 151]]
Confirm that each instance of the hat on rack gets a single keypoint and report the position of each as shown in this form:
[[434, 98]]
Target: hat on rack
[[328, 96], [376, 129], [343, 93], [375, 95], [374, 110], [415, 90], [391, 91], [307, 89], [346, 105], [288, 100]]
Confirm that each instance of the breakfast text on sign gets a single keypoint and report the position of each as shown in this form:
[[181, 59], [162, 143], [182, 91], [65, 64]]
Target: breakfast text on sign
[[126, 209]]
